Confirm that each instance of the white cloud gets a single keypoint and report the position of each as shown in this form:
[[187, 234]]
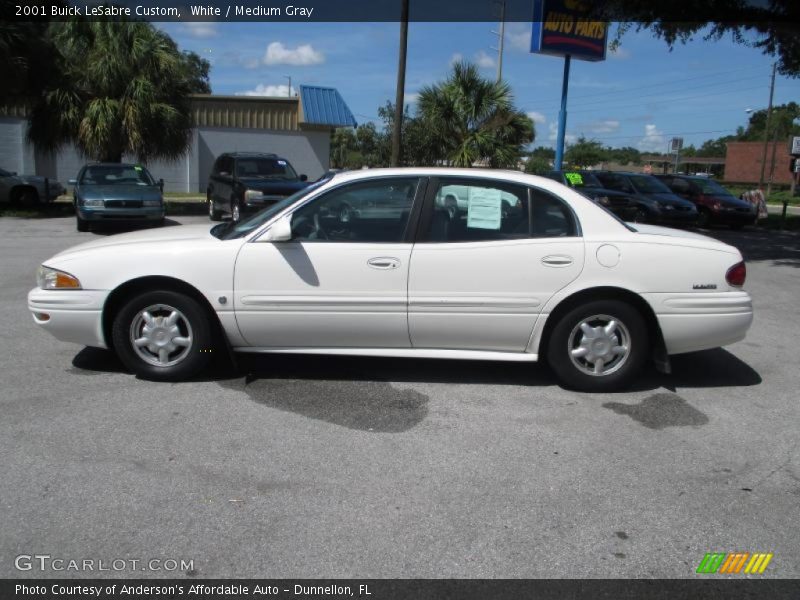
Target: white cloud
[[537, 117], [200, 29], [410, 98], [519, 40], [569, 138], [484, 61], [620, 53], [606, 126], [278, 54], [456, 58], [269, 90], [653, 140]]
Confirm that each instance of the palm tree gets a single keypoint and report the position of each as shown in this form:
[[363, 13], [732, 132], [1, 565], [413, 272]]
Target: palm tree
[[473, 120], [123, 89]]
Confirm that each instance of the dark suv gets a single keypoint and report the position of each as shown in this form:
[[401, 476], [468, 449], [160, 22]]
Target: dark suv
[[656, 203], [621, 204], [715, 204], [244, 181]]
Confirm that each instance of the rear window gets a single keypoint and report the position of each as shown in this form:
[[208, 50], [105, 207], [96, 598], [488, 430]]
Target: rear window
[[265, 168]]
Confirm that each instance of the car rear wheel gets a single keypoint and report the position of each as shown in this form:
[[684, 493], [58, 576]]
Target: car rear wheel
[[703, 218], [599, 346], [163, 336]]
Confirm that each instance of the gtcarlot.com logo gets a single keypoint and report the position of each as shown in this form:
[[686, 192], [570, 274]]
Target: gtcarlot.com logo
[[46, 562], [731, 563]]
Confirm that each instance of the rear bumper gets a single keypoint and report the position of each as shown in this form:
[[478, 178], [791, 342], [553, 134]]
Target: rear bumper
[[70, 316], [700, 321]]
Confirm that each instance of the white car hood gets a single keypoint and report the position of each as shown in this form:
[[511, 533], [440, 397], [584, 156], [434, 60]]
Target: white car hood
[[161, 235]]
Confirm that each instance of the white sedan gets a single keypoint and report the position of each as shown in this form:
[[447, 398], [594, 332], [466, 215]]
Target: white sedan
[[372, 263]]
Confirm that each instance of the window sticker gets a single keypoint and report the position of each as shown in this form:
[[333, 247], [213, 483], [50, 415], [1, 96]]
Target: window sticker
[[484, 210], [137, 167], [575, 179], [282, 163]]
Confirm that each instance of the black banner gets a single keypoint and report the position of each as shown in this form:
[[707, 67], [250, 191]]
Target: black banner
[[383, 589]]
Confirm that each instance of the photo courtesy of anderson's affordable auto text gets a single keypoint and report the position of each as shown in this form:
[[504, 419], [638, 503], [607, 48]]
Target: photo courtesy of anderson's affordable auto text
[[393, 299]]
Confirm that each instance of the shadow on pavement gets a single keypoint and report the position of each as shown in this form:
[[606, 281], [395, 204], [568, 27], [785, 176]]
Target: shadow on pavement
[[781, 247]]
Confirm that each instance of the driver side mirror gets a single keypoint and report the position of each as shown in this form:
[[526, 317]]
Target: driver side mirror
[[281, 230]]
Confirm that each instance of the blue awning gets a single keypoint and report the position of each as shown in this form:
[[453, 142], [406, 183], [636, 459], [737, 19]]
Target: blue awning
[[325, 106]]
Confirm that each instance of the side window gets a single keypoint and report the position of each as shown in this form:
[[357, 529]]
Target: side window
[[216, 168], [678, 185], [615, 182], [375, 211], [470, 210]]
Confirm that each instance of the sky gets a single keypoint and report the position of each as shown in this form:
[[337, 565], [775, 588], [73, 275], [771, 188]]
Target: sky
[[640, 96]]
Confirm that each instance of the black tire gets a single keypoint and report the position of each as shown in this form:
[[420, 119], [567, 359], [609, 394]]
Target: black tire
[[640, 216], [704, 219], [81, 225], [190, 358], [631, 330], [25, 196], [213, 213], [236, 210]]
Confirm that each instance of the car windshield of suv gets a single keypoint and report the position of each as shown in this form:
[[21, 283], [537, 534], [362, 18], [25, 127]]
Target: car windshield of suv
[[116, 175], [231, 230], [265, 168], [712, 188], [4, 173], [649, 185]]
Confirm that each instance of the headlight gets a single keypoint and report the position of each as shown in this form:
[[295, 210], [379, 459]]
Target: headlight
[[52, 279], [151, 203], [253, 194], [97, 203]]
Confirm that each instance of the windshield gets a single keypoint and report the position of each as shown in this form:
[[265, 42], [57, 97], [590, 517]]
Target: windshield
[[4, 173], [231, 230], [711, 187], [649, 185], [116, 175], [265, 168]]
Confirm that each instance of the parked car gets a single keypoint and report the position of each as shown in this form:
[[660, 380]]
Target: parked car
[[585, 182], [28, 189], [247, 181], [655, 201], [118, 193], [716, 205], [557, 278]]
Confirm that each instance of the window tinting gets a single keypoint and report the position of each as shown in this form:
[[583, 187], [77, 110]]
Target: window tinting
[[116, 175], [485, 210], [375, 211]]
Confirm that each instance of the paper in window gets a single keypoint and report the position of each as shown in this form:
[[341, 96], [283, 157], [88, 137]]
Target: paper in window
[[485, 208]]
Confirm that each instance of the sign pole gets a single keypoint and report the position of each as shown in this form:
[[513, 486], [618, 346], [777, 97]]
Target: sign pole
[[562, 116]]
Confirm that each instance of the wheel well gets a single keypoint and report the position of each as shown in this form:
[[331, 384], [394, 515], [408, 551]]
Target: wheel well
[[604, 293], [18, 190], [127, 290]]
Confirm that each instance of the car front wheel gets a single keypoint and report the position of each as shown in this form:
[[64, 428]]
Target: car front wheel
[[163, 336], [599, 346]]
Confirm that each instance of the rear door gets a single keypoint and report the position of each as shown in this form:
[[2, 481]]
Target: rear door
[[479, 279]]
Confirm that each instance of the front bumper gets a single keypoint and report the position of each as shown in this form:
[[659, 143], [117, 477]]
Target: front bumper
[[701, 321], [733, 217], [103, 214], [70, 315]]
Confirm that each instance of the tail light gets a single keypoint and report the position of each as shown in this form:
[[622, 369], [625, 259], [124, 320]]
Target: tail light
[[736, 274]]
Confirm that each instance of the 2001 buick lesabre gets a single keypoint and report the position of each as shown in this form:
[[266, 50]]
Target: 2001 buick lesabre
[[376, 263]]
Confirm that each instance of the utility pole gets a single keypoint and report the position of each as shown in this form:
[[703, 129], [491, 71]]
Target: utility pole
[[766, 127], [401, 85], [502, 35], [289, 91]]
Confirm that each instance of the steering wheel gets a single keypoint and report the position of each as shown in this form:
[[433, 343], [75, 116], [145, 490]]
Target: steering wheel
[[308, 228], [319, 232]]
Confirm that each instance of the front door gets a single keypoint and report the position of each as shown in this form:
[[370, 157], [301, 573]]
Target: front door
[[480, 275], [342, 280]]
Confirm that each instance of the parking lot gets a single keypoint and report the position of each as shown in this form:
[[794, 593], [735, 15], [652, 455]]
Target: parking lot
[[351, 467]]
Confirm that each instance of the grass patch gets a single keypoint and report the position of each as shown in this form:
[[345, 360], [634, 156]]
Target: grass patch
[[776, 197]]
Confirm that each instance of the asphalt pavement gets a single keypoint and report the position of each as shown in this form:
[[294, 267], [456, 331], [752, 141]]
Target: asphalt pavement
[[350, 467]]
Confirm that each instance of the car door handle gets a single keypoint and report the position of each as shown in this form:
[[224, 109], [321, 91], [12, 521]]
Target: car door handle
[[384, 262], [557, 261]]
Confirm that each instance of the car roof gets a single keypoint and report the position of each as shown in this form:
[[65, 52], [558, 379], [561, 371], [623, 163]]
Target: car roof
[[112, 164], [250, 154]]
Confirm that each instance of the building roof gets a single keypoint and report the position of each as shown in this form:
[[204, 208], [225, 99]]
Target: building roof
[[325, 106]]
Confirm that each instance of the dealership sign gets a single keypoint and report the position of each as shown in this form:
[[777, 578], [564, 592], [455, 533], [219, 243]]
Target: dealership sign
[[561, 28], [795, 146]]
